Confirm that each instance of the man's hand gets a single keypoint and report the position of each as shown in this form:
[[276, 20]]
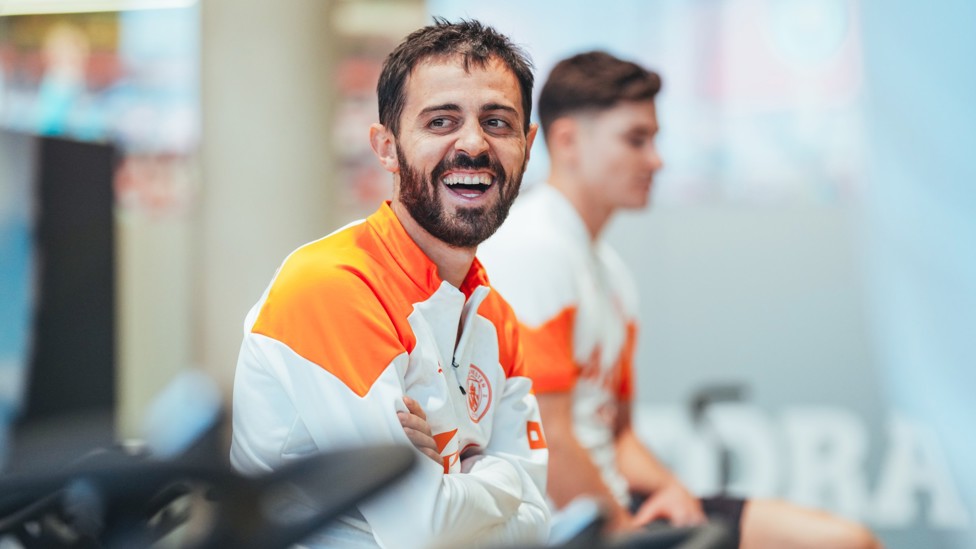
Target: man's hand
[[418, 431], [673, 503]]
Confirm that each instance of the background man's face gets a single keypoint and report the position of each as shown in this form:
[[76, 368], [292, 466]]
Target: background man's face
[[617, 155], [461, 149]]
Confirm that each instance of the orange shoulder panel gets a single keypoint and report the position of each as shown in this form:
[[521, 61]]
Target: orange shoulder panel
[[332, 304], [548, 351]]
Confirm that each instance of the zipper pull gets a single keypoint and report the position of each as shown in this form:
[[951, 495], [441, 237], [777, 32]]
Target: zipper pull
[[456, 366]]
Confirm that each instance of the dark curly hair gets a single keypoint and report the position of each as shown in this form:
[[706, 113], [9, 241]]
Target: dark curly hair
[[474, 42]]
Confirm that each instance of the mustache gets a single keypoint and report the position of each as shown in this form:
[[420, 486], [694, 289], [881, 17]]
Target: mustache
[[464, 161]]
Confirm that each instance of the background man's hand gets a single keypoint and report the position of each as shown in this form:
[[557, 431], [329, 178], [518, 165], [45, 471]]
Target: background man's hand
[[672, 503], [418, 431]]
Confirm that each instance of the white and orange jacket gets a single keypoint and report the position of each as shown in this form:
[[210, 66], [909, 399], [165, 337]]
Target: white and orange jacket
[[577, 305], [349, 325]]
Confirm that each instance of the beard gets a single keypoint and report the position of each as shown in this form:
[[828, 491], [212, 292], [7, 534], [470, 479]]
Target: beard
[[466, 227]]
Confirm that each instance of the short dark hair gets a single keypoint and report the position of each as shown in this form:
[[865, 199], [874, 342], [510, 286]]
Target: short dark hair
[[593, 81], [474, 42]]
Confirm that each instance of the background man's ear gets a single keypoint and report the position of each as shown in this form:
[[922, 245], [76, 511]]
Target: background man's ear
[[384, 147], [563, 138]]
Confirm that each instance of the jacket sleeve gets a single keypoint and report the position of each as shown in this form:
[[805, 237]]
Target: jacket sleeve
[[518, 440]]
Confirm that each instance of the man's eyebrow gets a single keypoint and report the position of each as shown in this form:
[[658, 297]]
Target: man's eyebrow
[[498, 107], [644, 130], [453, 107]]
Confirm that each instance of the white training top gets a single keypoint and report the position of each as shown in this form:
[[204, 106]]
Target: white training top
[[576, 303]]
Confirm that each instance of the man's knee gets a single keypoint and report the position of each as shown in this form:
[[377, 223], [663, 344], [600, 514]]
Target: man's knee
[[769, 523], [856, 536]]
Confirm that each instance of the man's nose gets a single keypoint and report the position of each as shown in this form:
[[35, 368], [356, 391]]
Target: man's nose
[[654, 159], [471, 140]]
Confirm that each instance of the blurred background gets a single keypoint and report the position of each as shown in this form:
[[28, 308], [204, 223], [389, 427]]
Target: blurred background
[[807, 269]]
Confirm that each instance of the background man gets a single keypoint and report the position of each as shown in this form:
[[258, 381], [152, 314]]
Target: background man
[[576, 303], [387, 330]]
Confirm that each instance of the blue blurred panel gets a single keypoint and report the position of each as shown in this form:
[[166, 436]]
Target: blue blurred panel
[[156, 106], [922, 217], [17, 154]]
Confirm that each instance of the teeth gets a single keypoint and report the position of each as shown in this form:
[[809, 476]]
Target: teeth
[[467, 179]]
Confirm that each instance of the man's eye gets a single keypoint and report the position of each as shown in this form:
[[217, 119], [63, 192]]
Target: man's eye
[[497, 123], [438, 123]]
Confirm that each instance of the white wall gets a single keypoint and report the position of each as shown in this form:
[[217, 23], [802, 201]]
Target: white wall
[[266, 175], [772, 296]]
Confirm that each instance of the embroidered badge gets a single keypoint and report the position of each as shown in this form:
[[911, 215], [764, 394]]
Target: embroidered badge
[[479, 394]]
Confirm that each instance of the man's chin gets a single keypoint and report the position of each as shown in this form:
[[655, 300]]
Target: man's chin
[[472, 226], [463, 240], [639, 202]]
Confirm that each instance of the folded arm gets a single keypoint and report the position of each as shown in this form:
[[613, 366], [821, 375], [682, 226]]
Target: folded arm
[[496, 499]]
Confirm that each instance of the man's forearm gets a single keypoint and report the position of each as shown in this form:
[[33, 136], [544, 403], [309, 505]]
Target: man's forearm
[[643, 471], [573, 474]]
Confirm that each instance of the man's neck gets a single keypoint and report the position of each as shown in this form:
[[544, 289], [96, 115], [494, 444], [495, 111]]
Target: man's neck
[[594, 214], [452, 263]]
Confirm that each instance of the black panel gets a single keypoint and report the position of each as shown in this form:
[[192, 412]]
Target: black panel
[[73, 364]]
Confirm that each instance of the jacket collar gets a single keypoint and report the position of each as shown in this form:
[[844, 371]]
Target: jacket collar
[[412, 260]]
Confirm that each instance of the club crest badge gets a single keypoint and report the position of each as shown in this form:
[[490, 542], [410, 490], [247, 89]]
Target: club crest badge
[[479, 394]]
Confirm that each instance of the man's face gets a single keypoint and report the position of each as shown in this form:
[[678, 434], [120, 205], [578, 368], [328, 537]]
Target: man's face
[[617, 156], [461, 150]]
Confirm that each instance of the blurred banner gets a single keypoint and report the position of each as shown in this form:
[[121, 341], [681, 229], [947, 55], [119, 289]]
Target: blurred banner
[[807, 268], [125, 77]]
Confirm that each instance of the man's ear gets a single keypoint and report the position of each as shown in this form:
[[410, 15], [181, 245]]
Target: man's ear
[[384, 147], [530, 139], [562, 138]]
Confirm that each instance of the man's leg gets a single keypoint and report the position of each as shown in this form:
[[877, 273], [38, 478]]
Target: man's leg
[[774, 523]]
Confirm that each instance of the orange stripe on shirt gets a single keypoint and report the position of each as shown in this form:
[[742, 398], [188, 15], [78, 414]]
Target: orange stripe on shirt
[[441, 439], [625, 364], [548, 352]]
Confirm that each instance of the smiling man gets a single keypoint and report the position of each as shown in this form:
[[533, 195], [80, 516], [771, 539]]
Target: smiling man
[[388, 330]]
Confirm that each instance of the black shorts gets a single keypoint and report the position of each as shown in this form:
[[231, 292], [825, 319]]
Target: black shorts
[[721, 508], [728, 510]]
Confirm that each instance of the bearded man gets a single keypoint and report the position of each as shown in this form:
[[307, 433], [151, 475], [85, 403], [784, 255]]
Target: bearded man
[[387, 331]]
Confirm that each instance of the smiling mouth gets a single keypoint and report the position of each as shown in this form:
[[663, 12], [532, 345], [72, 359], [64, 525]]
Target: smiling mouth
[[468, 185]]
